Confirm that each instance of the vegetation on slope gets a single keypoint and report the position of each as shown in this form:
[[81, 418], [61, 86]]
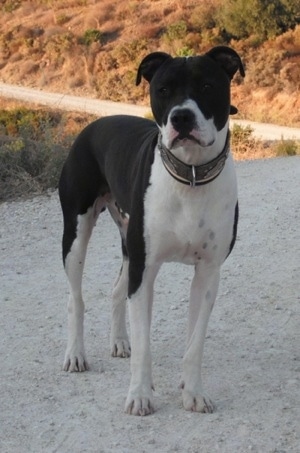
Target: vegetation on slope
[[93, 47]]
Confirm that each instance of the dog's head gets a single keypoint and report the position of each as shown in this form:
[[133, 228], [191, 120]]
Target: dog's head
[[190, 98]]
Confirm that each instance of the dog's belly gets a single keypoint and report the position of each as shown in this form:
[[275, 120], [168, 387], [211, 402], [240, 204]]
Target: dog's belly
[[189, 224]]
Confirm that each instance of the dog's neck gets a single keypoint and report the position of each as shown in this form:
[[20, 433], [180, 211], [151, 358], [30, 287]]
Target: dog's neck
[[193, 175]]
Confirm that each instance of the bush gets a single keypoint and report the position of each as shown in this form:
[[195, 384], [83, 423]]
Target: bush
[[240, 133], [59, 44], [287, 148], [185, 52], [242, 140], [28, 123], [33, 147], [176, 31], [129, 52], [259, 17], [90, 36], [264, 69], [203, 17], [29, 167]]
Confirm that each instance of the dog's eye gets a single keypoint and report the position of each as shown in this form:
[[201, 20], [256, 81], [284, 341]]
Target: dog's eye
[[206, 88], [163, 91]]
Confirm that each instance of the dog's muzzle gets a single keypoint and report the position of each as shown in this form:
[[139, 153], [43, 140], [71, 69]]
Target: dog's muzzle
[[193, 175], [183, 121]]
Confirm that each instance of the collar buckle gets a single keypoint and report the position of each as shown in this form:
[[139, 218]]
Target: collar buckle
[[193, 182]]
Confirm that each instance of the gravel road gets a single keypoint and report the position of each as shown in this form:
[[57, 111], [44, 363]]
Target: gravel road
[[104, 108], [252, 355]]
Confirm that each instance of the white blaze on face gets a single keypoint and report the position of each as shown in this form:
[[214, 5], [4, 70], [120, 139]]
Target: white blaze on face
[[208, 142]]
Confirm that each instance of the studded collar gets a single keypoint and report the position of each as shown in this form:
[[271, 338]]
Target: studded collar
[[193, 175]]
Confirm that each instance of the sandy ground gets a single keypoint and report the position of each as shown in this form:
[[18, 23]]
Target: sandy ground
[[252, 355]]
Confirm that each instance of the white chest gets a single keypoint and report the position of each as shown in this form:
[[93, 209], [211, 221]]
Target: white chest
[[188, 224]]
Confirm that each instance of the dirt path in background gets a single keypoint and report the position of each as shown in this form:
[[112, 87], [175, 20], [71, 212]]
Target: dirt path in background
[[252, 354], [104, 108]]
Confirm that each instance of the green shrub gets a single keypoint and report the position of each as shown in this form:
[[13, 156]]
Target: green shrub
[[29, 167], [60, 43], [185, 52], [90, 36], [240, 133], [259, 17], [242, 139], [176, 31], [129, 52], [33, 147], [287, 148], [28, 123]]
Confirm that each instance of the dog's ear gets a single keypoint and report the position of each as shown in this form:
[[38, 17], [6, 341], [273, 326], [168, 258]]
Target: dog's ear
[[150, 64], [233, 110], [228, 59]]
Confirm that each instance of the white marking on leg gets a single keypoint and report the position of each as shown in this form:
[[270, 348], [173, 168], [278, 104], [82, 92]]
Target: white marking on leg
[[140, 399], [75, 359], [203, 294], [119, 342]]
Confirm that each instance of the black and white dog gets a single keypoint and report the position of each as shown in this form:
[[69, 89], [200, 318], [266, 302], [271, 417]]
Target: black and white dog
[[170, 187]]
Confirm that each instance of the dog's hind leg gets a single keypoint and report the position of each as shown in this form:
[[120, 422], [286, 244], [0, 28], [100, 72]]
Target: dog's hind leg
[[75, 359], [83, 193], [119, 341]]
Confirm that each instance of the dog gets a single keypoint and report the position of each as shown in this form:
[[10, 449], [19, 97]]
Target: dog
[[170, 187]]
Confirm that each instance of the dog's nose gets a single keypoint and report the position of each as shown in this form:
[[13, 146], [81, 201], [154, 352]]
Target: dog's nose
[[183, 120]]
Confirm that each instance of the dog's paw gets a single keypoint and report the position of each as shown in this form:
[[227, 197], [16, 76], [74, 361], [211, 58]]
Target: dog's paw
[[139, 404], [75, 361], [197, 402], [120, 348], [140, 400]]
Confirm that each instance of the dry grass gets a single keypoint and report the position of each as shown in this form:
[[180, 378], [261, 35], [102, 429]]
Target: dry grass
[[34, 144], [46, 44], [245, 147]]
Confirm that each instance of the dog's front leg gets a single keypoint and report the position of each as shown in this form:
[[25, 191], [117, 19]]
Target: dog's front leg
[[140, 398], [203, 294]]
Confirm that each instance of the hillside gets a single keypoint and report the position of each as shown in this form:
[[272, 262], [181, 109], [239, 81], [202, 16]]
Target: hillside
[[93, 47]]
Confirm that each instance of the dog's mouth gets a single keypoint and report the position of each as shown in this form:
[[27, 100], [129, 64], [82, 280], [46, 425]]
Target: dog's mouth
[[182, 139]]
